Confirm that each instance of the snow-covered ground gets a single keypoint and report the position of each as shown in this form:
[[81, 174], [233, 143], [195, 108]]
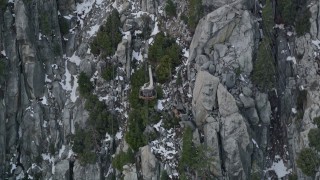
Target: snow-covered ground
[[279, 167]]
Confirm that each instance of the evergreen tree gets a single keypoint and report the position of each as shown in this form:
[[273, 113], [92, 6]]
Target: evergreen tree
[[85, 86], [314, 136], [170, 8], [195, 13], [263, 68], [308, 161]]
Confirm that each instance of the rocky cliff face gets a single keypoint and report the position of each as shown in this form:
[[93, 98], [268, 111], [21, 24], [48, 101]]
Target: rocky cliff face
[[247, 132]]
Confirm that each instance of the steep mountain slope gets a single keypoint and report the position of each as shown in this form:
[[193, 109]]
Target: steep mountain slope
[[237, 89]]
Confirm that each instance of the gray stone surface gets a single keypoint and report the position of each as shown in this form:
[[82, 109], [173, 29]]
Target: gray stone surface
[[252, 115], [227, 24], [227, 103], [62, 170], [247, 101], [128, 25], [59, 94], [196, 137], [204, 96], [130, 172], [148, 163], [235, 140], [246, 91], [87, 172], [263, 107], [72, 67], [315, 17], [200, 61], [211, 130], [121, 53], [230, 80], [148, 6], [86, 67]]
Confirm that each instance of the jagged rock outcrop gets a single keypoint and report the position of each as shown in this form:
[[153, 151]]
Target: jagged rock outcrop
[[235, 136], [263, 107], [62, 170], [225, 39], [87, 172], [233, 132], [227, 103], [307, 50], [218, 3], [149, 163], [149, 6], [232, 33], [211, 139], [204, 96], [129, 173], [315, 17]]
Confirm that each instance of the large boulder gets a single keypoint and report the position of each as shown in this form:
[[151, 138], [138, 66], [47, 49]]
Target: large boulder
[[236, 145], [219, 3], [235, 136], [129, 173], [31, 133], [229, 27], [59, 94], [211, 139], [204, 96], [32, 68], [87, 172], [62, 170], [148, 163], [227, 103], [87, 67], [247, 102], [315, 16], [263, 107], [121, 53], [148, 6]]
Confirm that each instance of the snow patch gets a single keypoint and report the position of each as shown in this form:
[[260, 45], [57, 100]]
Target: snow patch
[[279, 168], [316, 43], [185, 53], [13, 167], [255, 143], [44, 100], [294, 110], [3, 52], [93, 30], [67, 85], [47, 79], [160, 104], [75, 59], [280, 26], [62, 150], [301, 87], [119, 135], [99, 2], [150, 41], [289, 33], [45, 124], [158, 125], [293, 59], [50, 159], [137, 55], [82, 9], [156, 28]]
